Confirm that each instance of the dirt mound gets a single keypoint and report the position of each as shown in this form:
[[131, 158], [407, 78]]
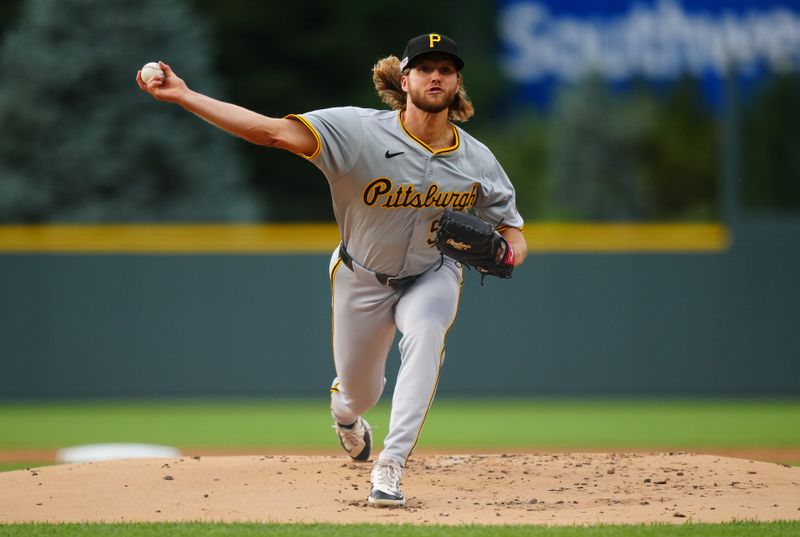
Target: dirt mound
[[576, 488]]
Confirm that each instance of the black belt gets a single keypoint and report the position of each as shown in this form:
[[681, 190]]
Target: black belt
[[398, 284]]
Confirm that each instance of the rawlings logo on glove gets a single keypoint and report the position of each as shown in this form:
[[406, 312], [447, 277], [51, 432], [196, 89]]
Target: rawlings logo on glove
[[458, 245], [475, 243]]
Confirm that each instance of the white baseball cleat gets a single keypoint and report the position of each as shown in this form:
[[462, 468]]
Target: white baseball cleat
[[386, 476], [356, 439]]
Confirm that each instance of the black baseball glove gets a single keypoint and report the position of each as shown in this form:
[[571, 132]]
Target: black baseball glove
[[475, 243]]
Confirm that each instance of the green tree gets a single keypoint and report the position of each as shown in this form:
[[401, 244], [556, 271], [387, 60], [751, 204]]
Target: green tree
[[8, 13], [634, 154], [771, 145], [682, 158], [80, 142], [597, 169]]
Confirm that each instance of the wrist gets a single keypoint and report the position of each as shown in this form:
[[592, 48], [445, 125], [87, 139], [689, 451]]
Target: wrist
[[185, 99]]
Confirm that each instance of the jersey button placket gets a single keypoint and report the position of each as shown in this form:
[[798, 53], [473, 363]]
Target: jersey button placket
[[429, 168]]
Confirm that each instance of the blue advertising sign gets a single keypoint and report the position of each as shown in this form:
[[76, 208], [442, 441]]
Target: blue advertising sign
[[555, 41]]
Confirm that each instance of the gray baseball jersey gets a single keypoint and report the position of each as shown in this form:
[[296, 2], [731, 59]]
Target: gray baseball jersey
[[389, 188]]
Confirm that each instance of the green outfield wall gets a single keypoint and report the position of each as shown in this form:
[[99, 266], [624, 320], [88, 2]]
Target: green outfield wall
[[719, 321]]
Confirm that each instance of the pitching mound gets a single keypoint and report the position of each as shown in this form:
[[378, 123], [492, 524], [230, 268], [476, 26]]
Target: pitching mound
[[581, 488]]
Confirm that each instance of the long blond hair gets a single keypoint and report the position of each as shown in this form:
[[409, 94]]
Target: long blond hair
[[386, 77]]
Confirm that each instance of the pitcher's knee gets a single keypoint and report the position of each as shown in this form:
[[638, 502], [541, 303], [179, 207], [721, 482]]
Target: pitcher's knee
[[357, 402], [363, 406]]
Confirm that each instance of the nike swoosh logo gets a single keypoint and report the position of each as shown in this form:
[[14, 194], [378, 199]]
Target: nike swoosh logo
[[392, 155]]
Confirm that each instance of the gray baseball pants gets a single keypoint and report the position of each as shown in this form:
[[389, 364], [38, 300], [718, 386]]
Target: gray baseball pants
[[366, 315]]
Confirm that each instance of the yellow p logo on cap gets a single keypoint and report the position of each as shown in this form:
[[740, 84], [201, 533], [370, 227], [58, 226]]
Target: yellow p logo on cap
[[433, 39]]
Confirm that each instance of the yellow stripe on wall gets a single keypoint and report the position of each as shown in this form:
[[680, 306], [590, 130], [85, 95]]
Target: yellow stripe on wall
[[199, 238], [322, 238], [579, 237]]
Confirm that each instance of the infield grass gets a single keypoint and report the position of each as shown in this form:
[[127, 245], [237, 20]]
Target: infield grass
[[738, 529], [452, 423]]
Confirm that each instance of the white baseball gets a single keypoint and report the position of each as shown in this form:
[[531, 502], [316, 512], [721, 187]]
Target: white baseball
[[149, 70]]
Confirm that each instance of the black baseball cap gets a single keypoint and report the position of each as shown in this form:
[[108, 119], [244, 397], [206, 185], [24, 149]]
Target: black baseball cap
[[427, 43]]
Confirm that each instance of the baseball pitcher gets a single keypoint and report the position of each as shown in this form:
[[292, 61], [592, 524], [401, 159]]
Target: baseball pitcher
[[402, 183]]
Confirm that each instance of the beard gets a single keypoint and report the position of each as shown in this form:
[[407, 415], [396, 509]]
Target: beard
[[433, 104]]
